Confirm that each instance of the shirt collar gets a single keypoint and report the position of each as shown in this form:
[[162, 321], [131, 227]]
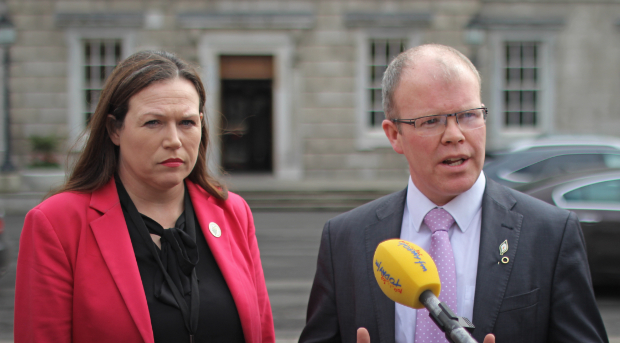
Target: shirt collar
[[463, 208]]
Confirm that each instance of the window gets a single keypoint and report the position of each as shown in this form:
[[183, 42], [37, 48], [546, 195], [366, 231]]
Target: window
[[521, 89], [100, 56], [92, 55], [518, 62], [381, 52], [375, 50], [608, 191]]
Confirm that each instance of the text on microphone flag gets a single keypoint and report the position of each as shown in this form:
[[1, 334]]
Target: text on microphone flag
[[403, 271]]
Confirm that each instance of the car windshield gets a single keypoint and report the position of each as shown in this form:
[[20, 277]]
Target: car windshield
[[563, 164]]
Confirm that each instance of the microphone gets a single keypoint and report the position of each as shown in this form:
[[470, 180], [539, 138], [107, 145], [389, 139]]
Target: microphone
[[408, 275]]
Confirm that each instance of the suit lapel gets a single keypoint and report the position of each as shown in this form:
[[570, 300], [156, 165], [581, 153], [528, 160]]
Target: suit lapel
[[112, 236], [209, 212], [499, 224], [387, 226]]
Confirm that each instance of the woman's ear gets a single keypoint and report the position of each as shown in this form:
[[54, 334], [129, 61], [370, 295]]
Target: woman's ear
[[112, 130]]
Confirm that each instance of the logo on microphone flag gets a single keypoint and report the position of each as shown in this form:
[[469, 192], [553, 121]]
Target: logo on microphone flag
[[403, 271]]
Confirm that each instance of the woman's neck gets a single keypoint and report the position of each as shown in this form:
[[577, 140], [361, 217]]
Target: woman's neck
[[162, 205]]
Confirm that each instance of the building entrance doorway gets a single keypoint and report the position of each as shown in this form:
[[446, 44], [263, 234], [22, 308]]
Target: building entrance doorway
[[246, 105]]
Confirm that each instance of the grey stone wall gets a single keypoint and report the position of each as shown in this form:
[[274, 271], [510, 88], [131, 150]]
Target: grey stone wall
[[586, 51], [38, 76]]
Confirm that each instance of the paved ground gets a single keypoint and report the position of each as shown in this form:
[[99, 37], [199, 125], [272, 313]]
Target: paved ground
[[289, 244]]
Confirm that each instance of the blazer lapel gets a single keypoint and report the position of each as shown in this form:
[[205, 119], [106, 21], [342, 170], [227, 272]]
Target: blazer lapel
[[499, 224], [112, 236], [387, 226], [208, 212]]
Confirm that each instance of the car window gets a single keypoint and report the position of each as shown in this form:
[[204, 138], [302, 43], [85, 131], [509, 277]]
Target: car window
[[612, 161], [564, 164], [606, 191]]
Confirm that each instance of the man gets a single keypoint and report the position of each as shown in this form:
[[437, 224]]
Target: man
[[519, 264]]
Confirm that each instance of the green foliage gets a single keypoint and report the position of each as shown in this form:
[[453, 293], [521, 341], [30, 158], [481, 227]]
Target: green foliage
[[43, 144], [43, 148]]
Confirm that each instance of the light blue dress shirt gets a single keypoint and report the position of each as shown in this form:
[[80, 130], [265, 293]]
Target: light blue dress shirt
[[466, 209]]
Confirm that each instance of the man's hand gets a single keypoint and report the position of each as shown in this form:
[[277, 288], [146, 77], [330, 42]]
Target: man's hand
[[364, 337], [490, 338]]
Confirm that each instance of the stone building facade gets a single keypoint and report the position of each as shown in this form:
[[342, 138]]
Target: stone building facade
[[294, 85]]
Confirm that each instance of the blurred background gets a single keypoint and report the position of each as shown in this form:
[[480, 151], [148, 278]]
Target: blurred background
[[294, 109]]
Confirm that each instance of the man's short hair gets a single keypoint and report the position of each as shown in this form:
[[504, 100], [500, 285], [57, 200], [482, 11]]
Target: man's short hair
[[444, 55]]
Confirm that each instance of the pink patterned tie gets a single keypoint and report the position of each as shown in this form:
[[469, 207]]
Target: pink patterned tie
[[439, 221]]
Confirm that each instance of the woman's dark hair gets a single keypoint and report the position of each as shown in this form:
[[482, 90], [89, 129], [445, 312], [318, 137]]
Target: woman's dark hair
[[99, 160]]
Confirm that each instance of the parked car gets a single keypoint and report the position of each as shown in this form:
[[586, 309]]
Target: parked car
[[550, 141], [525, 165], [595, 198]]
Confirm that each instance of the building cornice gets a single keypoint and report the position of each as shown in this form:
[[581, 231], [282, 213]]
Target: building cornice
[[246, 20], [511, 23], [100, 19], [387, 20]]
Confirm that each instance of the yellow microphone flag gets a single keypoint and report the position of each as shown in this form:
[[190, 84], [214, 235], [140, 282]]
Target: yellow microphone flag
[[404, 270]]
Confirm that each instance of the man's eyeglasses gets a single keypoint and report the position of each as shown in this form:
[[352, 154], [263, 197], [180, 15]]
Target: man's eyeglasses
[[436, 124]]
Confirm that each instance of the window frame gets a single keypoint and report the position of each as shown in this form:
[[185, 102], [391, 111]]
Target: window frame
[[369, 137], [521, 89], [496, 128], [76, 102]]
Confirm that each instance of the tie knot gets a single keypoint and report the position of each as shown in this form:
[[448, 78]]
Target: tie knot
[[438, 219]]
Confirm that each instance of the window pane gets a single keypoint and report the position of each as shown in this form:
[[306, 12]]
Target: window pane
[[117, 52], [612, 161], [529, 80], [529, 55], [607, 191], [521, 86], [513, 101], [381, 53], [377, 52], [378, 75], [513, 55], [100, 57], [528, 100], [396, 46], [513, 78]]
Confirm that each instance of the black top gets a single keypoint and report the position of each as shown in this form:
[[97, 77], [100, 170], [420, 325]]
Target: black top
[[217, 317]]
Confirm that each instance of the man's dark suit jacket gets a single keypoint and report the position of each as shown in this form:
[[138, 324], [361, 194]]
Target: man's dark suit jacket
[[543, 294]]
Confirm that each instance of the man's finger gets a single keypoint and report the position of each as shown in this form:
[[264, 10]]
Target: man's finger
[[364, 337], [490, 338]]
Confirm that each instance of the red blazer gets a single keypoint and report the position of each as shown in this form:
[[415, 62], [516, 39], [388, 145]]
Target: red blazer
[[78, 279]]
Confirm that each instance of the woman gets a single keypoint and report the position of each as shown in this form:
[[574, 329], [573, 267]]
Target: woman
[[141, 244]]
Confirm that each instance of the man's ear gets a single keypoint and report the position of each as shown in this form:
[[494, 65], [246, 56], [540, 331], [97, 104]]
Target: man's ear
[[112, 130], [391, 131]]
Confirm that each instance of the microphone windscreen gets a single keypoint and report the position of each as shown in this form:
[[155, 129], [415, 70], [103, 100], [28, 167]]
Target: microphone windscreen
[[404, 270]]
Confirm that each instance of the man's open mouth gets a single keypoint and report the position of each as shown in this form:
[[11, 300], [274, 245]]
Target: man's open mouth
[[454, 161]]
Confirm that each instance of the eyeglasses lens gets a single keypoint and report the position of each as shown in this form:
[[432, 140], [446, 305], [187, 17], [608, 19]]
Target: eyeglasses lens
[[436, 125]]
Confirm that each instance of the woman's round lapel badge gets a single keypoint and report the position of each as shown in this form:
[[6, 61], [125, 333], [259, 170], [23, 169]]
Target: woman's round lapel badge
[[215, 229]]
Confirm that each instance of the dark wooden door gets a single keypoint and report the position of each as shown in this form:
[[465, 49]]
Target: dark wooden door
[[246, 104]]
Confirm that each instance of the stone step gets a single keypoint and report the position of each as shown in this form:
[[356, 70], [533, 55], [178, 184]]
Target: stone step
[[336, 201]]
